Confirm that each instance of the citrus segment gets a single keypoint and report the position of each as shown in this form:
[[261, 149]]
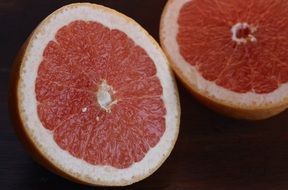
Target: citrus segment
[[61, 103], [134, 66], [141, 88]]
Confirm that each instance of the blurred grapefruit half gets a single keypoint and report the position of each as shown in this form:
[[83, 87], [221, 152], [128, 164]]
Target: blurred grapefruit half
[[95, 100], [232, 55]]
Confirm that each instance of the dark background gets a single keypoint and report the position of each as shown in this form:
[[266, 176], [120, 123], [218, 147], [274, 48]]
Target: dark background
[[212, 152]]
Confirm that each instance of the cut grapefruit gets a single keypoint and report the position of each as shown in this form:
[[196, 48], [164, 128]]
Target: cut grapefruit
[[232, 55], [95, 98]]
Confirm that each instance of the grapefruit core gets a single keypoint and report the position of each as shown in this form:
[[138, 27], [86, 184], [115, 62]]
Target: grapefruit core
[[232, 55], [95, 98]]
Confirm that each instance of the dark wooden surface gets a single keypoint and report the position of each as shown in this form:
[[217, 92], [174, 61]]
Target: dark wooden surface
[[212, 152]]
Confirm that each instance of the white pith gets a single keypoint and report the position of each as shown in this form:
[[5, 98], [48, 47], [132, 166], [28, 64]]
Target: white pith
[[43, 138], [194, 78], [238, 26], [104, 98]]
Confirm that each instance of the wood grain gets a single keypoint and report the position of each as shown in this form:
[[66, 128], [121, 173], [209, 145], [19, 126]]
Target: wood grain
[[212, 153]]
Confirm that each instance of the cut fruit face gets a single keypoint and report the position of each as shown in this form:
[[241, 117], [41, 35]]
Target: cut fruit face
[[105, 108], [77, 83], [230, 52]]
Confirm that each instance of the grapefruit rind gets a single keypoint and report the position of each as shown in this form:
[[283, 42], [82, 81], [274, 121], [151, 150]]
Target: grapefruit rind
[[249, 105], [42, 139]]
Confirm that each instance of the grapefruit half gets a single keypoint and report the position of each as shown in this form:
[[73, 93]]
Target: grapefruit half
[[95, 100], [232, 55]]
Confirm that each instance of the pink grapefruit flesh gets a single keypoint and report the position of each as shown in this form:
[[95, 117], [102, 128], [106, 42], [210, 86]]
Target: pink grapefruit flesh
[[85, 60], [257, 64]]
